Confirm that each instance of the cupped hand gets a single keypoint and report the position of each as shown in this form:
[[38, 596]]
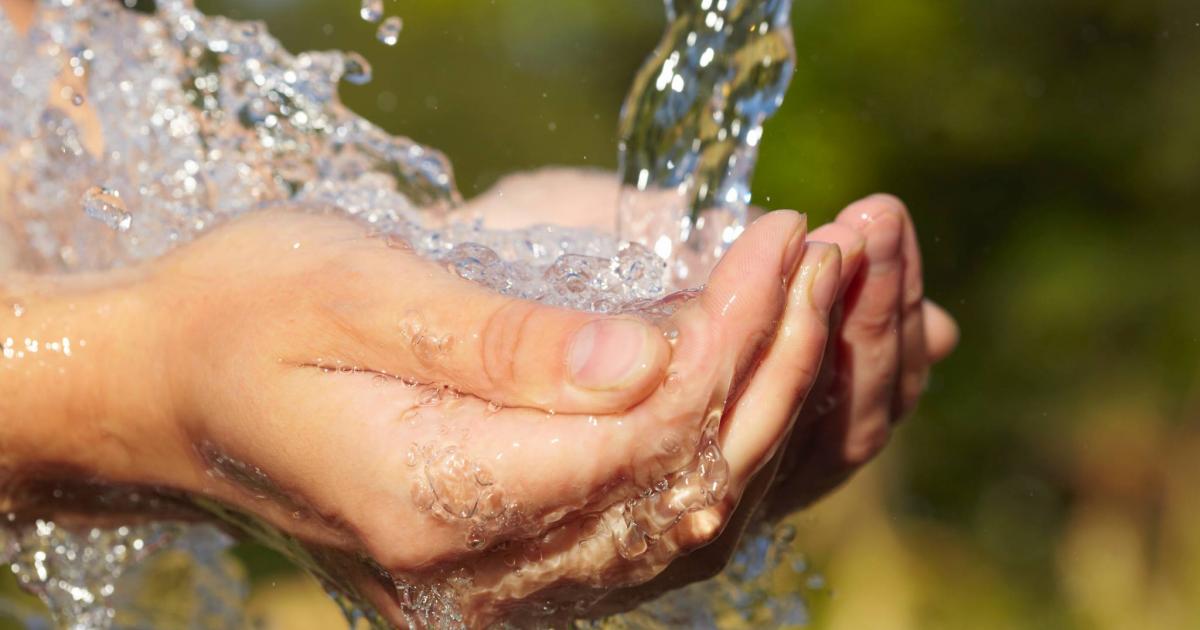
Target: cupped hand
[[883, 338], [408, 425], [367, 401], [885, 334]]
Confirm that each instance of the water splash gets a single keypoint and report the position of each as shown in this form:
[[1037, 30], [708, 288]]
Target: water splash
[[93, 577], [691, 126]]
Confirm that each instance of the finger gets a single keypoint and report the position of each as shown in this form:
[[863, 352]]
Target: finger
[[941, 332], [433, 326], [870, 332], [741, 307], [744, 296], [850, 242], [914, 363], [767, 409]]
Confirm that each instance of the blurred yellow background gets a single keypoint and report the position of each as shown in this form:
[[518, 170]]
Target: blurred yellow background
[[1050, 152]]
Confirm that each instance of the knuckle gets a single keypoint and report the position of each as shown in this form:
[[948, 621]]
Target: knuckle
[[504, 332], [914, 292], [804, 375], [872, 324], [912, 387], [863, 444]]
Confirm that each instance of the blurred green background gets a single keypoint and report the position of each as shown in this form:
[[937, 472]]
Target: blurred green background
[[1050, 152]]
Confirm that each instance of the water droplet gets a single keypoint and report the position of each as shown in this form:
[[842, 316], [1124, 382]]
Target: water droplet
[[484, 478], [77, 99], [371, 10], [494, 407], [105, 205], [672, 384], [356, 69], [389, 31], [430, 396], [396, 242]]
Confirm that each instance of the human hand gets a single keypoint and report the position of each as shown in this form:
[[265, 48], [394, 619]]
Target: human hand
[[885, 337], [290, 374], [347, 456]]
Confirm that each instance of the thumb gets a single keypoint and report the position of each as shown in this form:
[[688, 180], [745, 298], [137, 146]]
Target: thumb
[[436, 326]]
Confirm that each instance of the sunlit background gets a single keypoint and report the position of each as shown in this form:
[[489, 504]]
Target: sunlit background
[[1050, 152]]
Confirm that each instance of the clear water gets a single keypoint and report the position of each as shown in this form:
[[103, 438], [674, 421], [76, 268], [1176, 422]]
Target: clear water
[[692, 123], [205, 118]]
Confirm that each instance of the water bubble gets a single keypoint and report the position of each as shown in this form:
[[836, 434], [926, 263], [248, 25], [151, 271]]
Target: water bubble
[[389, 31], [105, 205], [371, 10], [494, 407]]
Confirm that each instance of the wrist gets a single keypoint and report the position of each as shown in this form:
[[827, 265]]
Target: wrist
[[82, 389]]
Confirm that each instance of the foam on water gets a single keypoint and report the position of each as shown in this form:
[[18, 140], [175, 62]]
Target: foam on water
[[203, 119]]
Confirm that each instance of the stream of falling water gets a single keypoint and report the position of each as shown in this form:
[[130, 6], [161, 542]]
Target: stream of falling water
[[206, 118]]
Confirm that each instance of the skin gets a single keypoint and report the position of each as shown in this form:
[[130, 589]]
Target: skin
[[844, 409], [334, 444], [299, 347]]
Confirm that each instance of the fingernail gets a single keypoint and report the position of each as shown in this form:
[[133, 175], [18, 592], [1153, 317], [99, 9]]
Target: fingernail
[[610, 353], [883, 236], [824, 285], [795, 246]]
